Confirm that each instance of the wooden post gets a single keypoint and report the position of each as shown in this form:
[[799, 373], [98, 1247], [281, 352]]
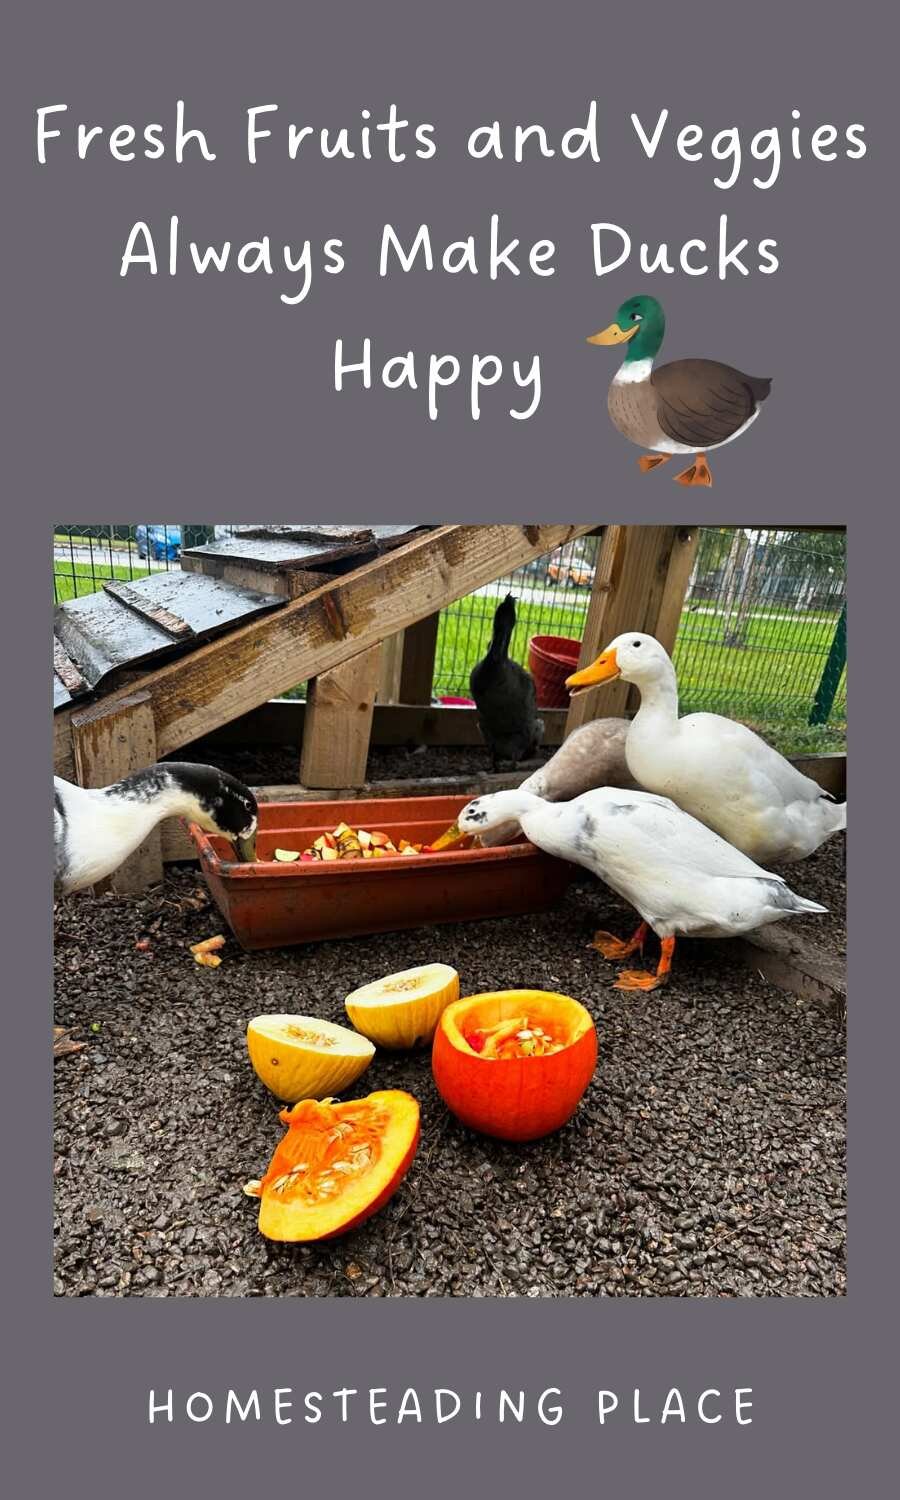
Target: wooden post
[[390, 668], [640, 582], [417, 671], [338, 722], [109, 743]]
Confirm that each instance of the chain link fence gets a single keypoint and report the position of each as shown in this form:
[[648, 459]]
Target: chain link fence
[[762, 635]]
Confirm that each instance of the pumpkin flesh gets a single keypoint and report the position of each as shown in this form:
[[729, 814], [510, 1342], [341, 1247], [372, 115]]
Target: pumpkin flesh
[[514, 1063], [337, 1164]]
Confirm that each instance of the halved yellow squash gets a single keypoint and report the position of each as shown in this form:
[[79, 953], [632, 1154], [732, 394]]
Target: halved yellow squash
[[337, 1165], [402, 1010], [303, 1057]]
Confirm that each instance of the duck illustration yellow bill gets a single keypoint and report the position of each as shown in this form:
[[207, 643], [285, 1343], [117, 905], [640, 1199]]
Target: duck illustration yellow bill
[[688, 406]]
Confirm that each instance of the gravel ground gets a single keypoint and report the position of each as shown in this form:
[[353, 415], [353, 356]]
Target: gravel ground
[[706, 1159]]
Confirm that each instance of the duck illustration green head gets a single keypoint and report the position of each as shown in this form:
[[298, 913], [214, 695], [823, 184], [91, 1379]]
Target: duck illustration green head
[[641, 323]]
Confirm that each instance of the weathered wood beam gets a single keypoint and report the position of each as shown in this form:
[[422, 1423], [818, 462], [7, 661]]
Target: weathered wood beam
[[417, 666], [110, 741], [245, 667], [338, 722], [389, 669]]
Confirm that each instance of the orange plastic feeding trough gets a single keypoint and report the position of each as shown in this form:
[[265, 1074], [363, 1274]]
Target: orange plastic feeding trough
[[270, 904], [551, 659]]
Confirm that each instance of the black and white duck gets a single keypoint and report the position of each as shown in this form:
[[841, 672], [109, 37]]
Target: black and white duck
[[95, 830], [505, 695]]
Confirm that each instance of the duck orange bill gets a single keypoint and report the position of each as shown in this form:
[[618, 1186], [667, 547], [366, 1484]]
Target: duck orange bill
[[614, 334], [604, 669], [451, 838]]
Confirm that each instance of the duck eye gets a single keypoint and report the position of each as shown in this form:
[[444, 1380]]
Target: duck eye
[[635, 317], [635, 643]]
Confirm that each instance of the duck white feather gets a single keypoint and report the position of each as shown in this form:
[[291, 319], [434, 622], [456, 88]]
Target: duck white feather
[[96, 829], [713, 767], [681, 876]]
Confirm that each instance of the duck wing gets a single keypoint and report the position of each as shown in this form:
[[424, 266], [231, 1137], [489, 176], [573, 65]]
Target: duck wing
[[700, 402], [654, 834]]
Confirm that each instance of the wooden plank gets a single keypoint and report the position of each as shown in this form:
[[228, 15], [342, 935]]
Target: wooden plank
[[795, 962], [281, 723], [630, 592], [339, 709], [417, 667], [290, 583], [111, 741], [389, 669], [166, 619], [178, 846], [257, 661], [66, 670]]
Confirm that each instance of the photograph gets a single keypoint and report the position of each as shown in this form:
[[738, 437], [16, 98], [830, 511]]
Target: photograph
[[455, 910]]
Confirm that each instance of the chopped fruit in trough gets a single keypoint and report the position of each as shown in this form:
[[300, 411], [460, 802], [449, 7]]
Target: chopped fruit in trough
[[515, 1063], [402, 1010], [303, 1057], [336, 1166], [345, 842]]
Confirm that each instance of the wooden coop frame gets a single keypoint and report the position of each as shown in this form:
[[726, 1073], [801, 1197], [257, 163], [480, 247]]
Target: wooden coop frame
[[365, 643]]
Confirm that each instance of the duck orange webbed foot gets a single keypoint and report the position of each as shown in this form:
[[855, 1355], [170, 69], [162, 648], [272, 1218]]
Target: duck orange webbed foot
[[613, 947], [639, 979], [648, 461], [698, 473]]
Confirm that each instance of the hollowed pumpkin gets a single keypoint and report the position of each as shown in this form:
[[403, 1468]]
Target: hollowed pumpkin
[[337, 1165], [514, 1063], [403, 1009], [303, 1057]]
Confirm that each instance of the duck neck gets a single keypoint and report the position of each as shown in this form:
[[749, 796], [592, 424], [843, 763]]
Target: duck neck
[[639, 355], [658, 713], [539, 821]]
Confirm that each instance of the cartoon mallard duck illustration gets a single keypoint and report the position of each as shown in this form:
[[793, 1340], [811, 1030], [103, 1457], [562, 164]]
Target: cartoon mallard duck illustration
[[688, 406]]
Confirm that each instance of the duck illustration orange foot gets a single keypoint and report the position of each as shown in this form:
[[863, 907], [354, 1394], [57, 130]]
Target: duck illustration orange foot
[[698, 473]]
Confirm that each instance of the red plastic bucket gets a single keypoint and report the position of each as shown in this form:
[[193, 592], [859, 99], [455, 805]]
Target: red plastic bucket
[[551, 659]]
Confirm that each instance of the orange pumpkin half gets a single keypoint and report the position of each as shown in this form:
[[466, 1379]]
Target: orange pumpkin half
[[337, 1165], [514, 1063]]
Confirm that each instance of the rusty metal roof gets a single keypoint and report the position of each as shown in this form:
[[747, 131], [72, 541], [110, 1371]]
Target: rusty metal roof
[[128, 625]]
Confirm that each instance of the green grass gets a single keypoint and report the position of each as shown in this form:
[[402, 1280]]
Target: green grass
[[74, 580]]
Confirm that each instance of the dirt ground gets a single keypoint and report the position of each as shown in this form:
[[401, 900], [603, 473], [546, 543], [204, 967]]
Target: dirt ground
[[706, 1159]]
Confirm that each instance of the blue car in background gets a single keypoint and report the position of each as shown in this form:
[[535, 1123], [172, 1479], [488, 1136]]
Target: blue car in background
[[161, 543]]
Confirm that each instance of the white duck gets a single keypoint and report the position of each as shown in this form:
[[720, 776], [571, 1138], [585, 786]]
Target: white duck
[[714, 768], [681, 877], [95, 830]]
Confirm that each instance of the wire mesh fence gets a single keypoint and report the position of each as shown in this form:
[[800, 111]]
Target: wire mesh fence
[[86, 556], [762, 635]]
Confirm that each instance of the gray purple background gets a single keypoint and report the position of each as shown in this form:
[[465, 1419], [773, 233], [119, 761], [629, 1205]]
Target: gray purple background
[[128, 399]]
